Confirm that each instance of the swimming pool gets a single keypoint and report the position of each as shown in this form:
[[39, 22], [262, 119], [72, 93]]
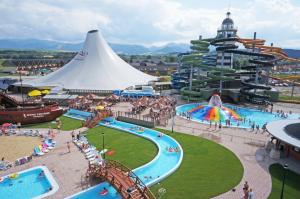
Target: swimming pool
[[250, 115], [77, 114], [28, 185], [94, 193]]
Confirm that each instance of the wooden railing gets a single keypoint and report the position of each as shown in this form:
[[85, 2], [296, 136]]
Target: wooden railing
[[90, 123], [121, 177]]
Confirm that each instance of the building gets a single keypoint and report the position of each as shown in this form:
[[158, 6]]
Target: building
[[285, 141], [227, 30], [156, 68]]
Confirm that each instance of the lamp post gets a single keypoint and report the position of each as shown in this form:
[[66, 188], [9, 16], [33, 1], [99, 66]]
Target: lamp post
[[103, 145], [285, 168], [173, 121]]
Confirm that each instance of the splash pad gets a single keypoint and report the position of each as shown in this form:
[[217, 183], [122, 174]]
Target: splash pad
[[214, 111]]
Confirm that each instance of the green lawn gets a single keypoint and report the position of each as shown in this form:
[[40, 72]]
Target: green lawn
[[288, 97], [207, 170], [292, 183], [67, 124], [130, 150]]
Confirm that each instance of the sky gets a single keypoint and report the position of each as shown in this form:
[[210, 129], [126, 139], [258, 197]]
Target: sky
[[149, 22]]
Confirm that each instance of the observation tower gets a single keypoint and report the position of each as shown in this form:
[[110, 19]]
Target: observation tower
[[227, 30]]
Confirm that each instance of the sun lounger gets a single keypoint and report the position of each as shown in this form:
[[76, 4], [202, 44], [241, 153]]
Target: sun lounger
[[44, 145], [92, 154], [37, 151], [91, 148], [44, 150], [3, 167], [50, 142]]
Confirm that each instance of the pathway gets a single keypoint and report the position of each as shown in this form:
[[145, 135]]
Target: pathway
[[68, 169]]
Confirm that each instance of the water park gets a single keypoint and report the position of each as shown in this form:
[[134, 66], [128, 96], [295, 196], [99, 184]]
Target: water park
[[219, 133]]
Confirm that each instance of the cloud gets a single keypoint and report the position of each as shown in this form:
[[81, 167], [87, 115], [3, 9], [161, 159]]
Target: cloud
[[148, 21]]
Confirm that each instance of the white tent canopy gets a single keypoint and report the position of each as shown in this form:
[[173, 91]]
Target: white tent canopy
[[95, 67]]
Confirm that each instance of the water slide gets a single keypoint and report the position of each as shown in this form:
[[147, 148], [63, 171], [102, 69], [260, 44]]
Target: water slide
[[202, 60], [163, 164], [260, 60]]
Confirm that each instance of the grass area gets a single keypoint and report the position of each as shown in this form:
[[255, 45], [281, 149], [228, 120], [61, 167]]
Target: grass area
[[288, 97], [67, 124], [130, 150], [292, 182], [207, 170]]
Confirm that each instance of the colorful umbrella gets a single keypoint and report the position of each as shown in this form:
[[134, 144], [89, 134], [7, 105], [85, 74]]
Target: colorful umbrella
[[45, 92], [214, 113], [5, 125], [34, 93], [100, 107]]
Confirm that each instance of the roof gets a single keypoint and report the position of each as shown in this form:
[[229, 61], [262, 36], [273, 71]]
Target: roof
[[95, 67], [227, 21], [278, 130]]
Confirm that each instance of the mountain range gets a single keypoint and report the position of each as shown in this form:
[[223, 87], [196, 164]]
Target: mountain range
[[130, 49]]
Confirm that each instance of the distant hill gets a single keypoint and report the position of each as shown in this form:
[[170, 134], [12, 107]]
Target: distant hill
[[130, 49], [292, 53]]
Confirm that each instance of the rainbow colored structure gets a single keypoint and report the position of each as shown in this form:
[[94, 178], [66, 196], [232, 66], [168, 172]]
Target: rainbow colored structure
[[214, 113]]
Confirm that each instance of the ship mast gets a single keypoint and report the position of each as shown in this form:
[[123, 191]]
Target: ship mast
[[21, 88]]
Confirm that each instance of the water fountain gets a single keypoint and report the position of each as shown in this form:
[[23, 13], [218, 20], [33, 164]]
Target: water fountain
[[214, 111]]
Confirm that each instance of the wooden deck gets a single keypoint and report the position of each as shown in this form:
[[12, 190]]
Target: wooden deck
[[122, 178]]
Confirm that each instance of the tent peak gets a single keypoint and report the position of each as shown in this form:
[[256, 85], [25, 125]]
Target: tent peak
[[92, 31]]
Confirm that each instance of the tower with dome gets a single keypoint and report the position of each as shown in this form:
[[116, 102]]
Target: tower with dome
[[227, 30]]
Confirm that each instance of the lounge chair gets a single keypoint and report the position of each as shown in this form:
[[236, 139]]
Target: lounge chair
[[44, 145], [50, 142], [3, 167], [37, 151], [92, 154], [91, 148], [44, 150]]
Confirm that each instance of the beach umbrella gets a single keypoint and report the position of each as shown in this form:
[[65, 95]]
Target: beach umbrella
[[34, 93], [45, 92], [214, 113], [100, 107], [5, 125]]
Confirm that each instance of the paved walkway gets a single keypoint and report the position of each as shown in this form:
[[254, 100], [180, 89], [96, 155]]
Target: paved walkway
[[68, 169], [245, 145]]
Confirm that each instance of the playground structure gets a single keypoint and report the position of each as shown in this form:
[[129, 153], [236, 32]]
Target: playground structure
[[122, 178], [249, 83]]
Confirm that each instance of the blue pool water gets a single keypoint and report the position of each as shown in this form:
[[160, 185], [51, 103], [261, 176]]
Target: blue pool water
[[164, 163], [27, 185], [94, 193], [77, 114], [254, 115]]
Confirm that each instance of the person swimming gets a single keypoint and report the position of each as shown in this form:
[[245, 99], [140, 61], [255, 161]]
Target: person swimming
[[104, 191], [41, 174]]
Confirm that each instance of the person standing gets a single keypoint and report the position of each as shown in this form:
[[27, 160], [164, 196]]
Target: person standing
[[73, 135], [69, 147], [250, 194]]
